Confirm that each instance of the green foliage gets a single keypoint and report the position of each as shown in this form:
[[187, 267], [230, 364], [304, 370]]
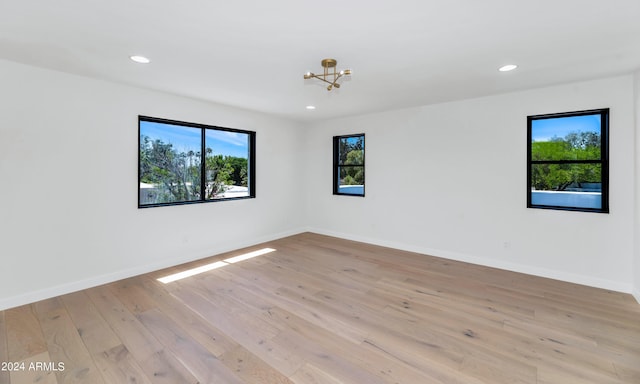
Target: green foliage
[[355, 157], [348, 144], [176, 176], [558, 177], [351, 157], [223, 171], [349, 180]]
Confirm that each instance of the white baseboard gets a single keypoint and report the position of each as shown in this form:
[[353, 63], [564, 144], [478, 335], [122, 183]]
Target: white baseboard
[[62, 289], [521, 268], [636, 295]]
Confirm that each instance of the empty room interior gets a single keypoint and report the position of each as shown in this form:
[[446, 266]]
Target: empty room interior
[[320, 192]]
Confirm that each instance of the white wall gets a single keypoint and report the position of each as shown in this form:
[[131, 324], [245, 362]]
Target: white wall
[[450, 180], [68, 189]]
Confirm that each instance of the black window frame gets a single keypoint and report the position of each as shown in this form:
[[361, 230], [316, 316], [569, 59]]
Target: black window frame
[[337, 164], [603, 161], [251, 171]]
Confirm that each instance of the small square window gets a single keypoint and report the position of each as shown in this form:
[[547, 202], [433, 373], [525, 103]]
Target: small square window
[[348, 165]]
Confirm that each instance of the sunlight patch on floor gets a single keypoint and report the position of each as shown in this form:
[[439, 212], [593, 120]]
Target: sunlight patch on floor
[[214, 265]]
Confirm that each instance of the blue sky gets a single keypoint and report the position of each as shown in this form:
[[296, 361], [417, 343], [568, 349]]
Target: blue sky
[[545, 129], [354, 140], [188, 138]]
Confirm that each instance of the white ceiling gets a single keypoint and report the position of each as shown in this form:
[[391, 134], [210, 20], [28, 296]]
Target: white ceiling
[[253, 53]]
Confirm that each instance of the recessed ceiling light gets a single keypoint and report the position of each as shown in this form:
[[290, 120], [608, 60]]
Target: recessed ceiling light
[[310, 107], [140, 59], [507, 68]]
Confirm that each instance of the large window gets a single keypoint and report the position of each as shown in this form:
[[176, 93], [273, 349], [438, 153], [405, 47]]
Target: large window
[[348, 165], [568, 165], [183, 163]]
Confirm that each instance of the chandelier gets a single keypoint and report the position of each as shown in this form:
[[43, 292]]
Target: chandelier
[[330, 77]]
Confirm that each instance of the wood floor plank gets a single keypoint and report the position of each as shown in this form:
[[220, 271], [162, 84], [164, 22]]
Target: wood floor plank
[[199, 361], [420, 356], [519, 349], [24, 335], [92, 327], [118, 365], [320, 309], [281, 359], [31, 373], [335, 361], [207, 334], [112, 358], [159, 366], [132, 295], [310, 374], [250, 368], [65, 345], [357, 353], [418, 318], [238, 316]]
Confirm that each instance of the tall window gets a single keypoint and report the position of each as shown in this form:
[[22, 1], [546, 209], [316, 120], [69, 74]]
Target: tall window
[[183, 163], [568, 161], [348, 165]]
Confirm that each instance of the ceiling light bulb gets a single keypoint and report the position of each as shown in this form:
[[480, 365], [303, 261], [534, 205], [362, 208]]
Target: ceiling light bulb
[[140, 59], [507, 68], [310, 107]]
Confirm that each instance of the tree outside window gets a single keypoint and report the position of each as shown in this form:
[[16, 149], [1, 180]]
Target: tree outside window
[[568, 161], [348, 165]]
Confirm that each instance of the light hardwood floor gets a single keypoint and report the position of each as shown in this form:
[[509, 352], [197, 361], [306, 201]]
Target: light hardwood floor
[[324, 310]]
